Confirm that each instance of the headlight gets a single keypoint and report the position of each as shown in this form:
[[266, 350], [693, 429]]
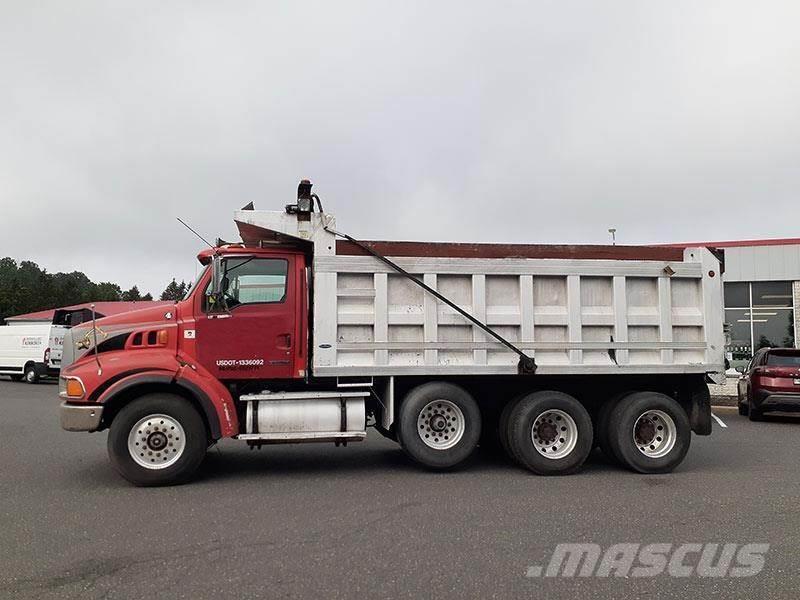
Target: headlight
[[73, 388]]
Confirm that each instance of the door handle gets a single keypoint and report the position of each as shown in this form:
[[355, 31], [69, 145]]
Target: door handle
[[287, 340]]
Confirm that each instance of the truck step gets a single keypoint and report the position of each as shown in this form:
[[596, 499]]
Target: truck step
[[298, 437]]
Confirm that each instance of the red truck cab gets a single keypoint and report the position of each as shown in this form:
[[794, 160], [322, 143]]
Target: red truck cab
[[197, 347], [265, 291]]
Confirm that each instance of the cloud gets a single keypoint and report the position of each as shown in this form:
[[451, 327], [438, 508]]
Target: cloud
[[512, 121]]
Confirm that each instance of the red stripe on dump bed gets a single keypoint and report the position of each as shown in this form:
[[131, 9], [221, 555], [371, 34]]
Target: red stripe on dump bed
[[253, 235], [739, 243], [453, 250]]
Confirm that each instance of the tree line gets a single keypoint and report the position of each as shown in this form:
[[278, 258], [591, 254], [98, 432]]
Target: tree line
[[25, 287]]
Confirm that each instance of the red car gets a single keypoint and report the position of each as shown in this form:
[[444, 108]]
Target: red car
[[770, 382]]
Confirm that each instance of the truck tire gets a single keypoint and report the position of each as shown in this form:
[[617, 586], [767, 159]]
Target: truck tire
[[158, 439], [649, 432], [601, 429], [502, 427], [755, 414], [439, 425], [31, 376], [550, 433], [744, 409]]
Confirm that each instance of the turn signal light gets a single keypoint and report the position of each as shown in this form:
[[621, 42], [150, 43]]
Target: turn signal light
[[75, 388], [163, 336]]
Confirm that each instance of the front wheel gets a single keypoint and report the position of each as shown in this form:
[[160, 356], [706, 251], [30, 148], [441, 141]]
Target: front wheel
[[31, 376], [550, 433], [649, 432], [439, 425], [158, 439]]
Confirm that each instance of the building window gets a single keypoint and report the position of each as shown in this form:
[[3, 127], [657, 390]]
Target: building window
[[757, 315], [737, 295]]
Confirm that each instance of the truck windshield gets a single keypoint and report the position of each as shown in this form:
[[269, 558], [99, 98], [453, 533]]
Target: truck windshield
[[190, 289]]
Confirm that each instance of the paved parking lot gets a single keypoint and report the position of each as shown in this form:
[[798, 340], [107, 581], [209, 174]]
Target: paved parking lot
[[319, 521]]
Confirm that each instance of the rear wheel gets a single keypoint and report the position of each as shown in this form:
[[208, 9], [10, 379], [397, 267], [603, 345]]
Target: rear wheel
[[502, 427], [31, 376], [602, 426], [744, 409], [440, 425], [159, 439], [649, 432], [755, 414], [549, 433]]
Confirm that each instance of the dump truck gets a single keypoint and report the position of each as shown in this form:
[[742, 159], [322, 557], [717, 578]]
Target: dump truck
[[302, 333]]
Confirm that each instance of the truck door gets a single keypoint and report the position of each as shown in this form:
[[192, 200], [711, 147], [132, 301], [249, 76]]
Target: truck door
[[254, 335]]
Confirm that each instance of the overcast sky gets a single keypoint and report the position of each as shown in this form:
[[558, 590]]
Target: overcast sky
[[466, 121]]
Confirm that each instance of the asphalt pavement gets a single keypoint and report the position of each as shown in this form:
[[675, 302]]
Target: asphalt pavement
[[316, 521]]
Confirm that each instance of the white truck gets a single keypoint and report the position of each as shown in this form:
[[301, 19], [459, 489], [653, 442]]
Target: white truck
[[304, 334], [31, 351]]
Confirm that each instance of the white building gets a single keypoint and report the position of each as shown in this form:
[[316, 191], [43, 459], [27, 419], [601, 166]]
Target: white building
[[762, 295]]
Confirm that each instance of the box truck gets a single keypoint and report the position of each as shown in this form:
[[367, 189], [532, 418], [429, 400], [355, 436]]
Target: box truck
[[31, 352], [300, 333]]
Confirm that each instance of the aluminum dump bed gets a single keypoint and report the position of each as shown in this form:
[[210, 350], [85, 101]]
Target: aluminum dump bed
[[575, 309]]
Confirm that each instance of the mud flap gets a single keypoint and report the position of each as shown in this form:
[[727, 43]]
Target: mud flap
[[697, 403]]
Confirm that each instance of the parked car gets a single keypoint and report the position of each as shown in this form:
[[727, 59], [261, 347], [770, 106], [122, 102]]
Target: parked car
[[771, 382], [31, 352]]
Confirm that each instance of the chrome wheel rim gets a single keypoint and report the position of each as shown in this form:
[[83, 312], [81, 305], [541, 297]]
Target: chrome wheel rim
[[441, 424], [30, 375], [554, 434], [655, 434], [156, 441]]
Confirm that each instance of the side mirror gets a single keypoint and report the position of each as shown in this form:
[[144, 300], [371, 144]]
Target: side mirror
[[216, 275], [214, 291], [740, 370]]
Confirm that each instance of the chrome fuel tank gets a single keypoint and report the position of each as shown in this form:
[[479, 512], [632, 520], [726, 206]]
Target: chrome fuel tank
[[317, 415]]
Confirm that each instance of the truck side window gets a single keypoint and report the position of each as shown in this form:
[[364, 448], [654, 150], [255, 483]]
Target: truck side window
[[255, 280]]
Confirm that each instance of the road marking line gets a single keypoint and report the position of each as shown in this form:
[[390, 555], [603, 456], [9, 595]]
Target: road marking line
[[718, 420]]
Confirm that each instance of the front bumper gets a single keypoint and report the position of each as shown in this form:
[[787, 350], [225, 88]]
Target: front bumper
[[81, 417]]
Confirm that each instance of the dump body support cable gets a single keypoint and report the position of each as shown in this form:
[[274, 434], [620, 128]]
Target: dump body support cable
[[526, 365]]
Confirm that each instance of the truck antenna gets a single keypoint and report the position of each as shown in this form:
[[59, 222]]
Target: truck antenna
[[182, 222]]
